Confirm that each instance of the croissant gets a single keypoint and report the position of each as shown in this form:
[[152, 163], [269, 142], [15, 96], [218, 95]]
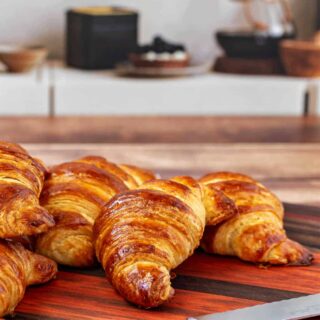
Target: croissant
[[20, 268], [21, 181], [74, 195], [255, 233], [142, 234]]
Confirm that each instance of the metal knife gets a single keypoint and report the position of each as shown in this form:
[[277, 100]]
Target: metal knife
[[292, 309]]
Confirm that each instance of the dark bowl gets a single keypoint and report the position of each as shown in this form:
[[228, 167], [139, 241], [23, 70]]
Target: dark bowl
[[248, 44]]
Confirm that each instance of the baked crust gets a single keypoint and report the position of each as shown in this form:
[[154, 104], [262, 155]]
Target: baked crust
[[255, 232], [74, 194], [144, 233], [20, 268], [21, 181]]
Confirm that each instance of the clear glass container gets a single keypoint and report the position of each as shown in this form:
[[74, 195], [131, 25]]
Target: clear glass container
[[272, 17]]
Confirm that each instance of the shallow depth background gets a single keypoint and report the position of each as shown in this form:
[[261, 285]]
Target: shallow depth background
[[189, 21]]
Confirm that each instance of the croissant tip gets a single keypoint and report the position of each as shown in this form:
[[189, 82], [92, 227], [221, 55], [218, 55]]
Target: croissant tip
[[40, 223], [44, 269], [159, 304], [38, 219], [306, 259], [49, 220]]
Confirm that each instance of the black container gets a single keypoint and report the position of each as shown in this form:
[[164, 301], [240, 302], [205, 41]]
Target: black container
[[246, 44], [100, 37]]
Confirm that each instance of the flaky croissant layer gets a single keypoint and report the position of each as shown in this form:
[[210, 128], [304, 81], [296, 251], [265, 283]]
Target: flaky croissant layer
[[21, 181], [254, 232], [20, 268], [144, 233], [74, 194]]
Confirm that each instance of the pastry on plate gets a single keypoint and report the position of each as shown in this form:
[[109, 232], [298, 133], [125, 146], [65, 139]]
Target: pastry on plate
[[160, 54]]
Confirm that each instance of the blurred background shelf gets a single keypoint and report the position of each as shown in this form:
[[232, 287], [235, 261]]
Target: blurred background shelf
[[91, 92], [55, 89], [192, 22], [314, 96], [25, 93]]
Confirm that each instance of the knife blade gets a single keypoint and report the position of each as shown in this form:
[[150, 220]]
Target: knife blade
[[292, 309]]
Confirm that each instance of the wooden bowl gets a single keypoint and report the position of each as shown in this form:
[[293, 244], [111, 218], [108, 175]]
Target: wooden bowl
[[301, 58], [22, 59]]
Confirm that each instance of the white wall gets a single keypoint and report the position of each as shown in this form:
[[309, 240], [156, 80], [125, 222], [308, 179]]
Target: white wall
[[189, 21]]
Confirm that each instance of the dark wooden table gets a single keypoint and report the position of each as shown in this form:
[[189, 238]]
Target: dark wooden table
[[204, 283], [160, 129]]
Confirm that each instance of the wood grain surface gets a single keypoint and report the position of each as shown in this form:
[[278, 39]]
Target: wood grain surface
[[204, 284], [159, 129], [291, 170]]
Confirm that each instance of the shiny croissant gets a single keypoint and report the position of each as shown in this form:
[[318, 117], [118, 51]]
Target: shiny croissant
[[253, 230], [143, 234], [74, 195], [21, 181], [19, 269]]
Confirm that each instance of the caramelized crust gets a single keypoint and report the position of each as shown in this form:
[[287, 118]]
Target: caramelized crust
[[130, 175], [74, 194], [255, 233], [140, 176], [21, 181], [112, 168], [20, 268], [144, 233]]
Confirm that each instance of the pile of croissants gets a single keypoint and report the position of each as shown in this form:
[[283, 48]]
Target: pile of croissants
[[137, 226]]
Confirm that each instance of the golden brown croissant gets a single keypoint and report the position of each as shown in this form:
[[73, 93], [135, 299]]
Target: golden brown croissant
[[144, 233], [74, 194], [256, 232], [21, 181], [20, 268]]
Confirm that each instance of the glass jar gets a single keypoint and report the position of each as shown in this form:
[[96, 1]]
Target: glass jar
[[272, 17]]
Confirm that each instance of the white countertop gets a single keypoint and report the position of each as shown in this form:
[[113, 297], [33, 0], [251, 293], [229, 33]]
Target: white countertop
[[73, 91]]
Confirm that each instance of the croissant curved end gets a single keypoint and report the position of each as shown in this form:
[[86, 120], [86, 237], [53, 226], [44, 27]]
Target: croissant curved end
[[145, 284], [290, 253], [32, 220], [43, 269]]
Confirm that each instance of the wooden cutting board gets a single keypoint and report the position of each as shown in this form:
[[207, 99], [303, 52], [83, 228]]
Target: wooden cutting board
[[204, 284]]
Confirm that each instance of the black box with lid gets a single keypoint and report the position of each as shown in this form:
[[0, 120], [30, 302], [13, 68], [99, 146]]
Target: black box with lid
[[100, 37]]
